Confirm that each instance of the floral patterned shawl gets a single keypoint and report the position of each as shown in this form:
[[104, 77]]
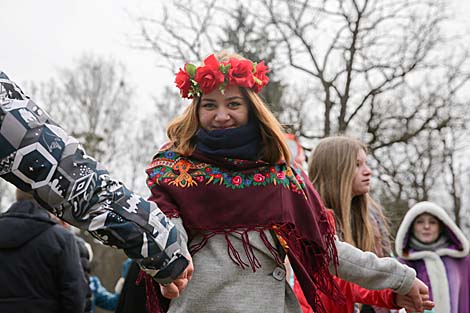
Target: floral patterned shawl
[[217, 195]]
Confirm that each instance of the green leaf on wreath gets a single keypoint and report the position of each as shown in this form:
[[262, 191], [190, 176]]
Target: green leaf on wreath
[[191, 70], [224, 68]]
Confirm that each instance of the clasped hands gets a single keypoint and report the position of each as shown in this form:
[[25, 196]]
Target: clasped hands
[[417, 299], [173, 289]]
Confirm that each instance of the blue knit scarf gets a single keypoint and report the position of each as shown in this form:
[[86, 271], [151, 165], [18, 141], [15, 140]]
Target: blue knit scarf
[[241, 142]]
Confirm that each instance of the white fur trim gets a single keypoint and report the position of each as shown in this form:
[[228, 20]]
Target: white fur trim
[[439, 283]]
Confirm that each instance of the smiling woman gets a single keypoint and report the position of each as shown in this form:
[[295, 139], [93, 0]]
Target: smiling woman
[[426, 228], [228, 168], [227, 181], [223, 111]]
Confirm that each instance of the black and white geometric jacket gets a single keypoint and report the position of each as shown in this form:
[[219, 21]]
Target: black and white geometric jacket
[[37, 156]]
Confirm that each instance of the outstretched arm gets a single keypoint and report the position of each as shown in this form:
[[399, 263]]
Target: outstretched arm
[[372, 272], [38, 156]]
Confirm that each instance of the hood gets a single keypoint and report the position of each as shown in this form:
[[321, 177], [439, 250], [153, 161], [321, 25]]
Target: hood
[[23, 221], [459, 246]]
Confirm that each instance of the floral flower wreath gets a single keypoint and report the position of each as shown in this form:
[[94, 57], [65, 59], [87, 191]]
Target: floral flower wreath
[[194, 81]]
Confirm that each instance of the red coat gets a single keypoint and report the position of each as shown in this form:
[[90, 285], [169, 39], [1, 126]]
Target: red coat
[[352, 292]]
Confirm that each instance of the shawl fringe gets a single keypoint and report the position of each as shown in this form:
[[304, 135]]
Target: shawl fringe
[[311, 266], [309, 261], [233, 253]]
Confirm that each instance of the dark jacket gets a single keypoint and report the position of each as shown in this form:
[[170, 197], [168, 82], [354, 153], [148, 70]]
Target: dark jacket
[[40, 267], [85, 260]]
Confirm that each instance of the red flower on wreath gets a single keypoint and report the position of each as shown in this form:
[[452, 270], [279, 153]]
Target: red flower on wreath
[[183, 82], [261, 79], [194, 81], [209, 76], [240, 73]]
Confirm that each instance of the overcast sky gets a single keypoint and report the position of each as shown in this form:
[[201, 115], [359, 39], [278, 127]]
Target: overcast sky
[[38, 37]]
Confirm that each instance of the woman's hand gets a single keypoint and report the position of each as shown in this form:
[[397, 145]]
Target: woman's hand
[[417, 299], [174, 289]]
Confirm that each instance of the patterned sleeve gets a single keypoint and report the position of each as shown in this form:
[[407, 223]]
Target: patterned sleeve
[[37, 156]]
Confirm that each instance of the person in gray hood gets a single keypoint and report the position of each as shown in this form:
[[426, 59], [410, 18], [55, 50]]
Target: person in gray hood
[[40, 267]]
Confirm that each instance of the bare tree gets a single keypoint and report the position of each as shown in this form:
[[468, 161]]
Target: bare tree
[[417, 157], [410, 171], [97, 95], [354, 51], [184, 32], [146, 139], [455, 152]]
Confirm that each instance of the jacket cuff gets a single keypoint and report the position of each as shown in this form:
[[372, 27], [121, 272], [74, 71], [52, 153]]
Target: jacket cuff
[[406, 283]]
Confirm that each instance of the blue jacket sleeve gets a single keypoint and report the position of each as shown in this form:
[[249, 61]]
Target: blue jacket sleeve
[[102, 298], [38, 156]]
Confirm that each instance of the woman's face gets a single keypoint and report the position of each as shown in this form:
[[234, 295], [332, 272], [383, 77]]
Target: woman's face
[[426, 228], [361, 179], [222, 111]]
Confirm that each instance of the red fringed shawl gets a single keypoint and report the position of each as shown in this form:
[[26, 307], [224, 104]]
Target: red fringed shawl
[[216, 195]]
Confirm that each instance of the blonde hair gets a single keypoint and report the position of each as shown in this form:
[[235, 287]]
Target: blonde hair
[[332, 166], [183, 128]]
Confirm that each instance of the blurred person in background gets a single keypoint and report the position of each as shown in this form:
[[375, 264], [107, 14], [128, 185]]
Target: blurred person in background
[[338, 169], [429, 241], [40, 270]]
